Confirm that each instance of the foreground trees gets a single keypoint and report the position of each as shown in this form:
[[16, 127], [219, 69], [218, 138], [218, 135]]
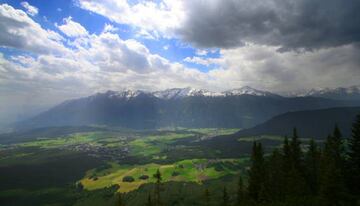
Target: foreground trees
[[312, 175], [315, 174], [329, 176], [353, 163]]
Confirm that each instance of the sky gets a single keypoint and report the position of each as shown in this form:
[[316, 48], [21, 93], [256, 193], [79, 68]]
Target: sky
[[52, 50]]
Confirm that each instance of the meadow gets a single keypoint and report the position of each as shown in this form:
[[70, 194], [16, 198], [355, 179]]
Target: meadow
[[116, 160], [194, 170]]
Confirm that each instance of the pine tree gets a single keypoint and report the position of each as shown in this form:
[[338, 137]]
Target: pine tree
[[354, 159], [312, 161], [257, 174], [149, 201], [225, 197], [296, 175], [332, 188], [276, 176], [207, 197], [339, 150], [286, 167], [295, 151], [240, 199], [158, 178], [120, 200]]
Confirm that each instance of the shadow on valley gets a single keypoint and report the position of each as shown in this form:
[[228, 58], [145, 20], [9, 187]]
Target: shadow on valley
[[83, 166]]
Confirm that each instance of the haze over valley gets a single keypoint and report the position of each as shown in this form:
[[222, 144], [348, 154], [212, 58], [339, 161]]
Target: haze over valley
[[179, 103]]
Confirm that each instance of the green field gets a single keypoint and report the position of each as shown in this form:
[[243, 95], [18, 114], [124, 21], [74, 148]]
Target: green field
[[195, 170], [99, 160]]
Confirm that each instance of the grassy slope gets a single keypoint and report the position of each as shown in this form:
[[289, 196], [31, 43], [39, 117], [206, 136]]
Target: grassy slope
[[188, 171]]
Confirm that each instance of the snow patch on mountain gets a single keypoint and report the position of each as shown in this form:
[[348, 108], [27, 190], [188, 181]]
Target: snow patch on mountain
[[247, 90], [177, 93]]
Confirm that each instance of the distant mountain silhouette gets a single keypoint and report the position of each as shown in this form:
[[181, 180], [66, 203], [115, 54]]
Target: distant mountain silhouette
[[312, 123], [342, 93]]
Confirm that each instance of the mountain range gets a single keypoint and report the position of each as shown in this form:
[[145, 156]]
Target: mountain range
[[178, 107], [343, 93]]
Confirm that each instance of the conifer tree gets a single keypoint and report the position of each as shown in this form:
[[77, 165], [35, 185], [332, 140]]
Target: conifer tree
[[276, 175], [295, 151], [338, 148], [296, 175], [332, 188], [240, 199], [149, 201], [286, 156], [207, 197], [312, 162], [120, 200], [257, 174], [354, 159], [225, 197], [158, 178]]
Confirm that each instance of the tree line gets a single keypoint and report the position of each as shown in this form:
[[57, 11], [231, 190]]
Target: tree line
[[295, 174], [326, 175]]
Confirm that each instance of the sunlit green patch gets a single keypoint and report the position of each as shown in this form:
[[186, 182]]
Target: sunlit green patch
[[154, 144], [194, 170], [215, 131], [78, 138], [261, 137]]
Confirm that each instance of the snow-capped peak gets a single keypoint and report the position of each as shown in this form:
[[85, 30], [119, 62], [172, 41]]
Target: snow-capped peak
[[124, 94], [246, 90], [177, 93]]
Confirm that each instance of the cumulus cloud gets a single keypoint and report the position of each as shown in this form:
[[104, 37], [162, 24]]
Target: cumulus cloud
[[18, 30], [152, 19], [31, 10], [95, 62], [71, 28]]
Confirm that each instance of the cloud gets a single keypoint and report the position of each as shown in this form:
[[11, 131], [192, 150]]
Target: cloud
[[203, 60], [94, 62], [288, 24], [110, 28], [301, 25], [51, 71], [31, 10], [201, 52], [71, 28], [151, 19], [264, 68], [18, 30]]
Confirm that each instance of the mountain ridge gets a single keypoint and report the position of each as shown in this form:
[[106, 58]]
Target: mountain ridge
[[176, 108], [309, 123]]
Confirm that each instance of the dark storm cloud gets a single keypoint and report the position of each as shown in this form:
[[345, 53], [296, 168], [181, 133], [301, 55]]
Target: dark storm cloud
[[290, 24]]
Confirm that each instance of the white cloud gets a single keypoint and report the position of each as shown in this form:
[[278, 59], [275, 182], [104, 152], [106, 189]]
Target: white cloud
[[203, 60], [71, 28], [166, 47], [95, 62], [110, 28], [18, 30], [31, 10], [264, 68], [150, 18], [201, 52]]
